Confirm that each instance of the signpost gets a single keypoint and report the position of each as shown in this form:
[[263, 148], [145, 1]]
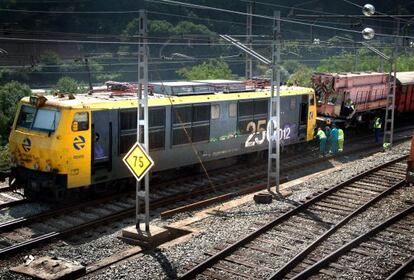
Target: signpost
[[138, 161]]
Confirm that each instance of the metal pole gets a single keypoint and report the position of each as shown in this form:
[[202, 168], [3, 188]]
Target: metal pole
[[89, 74], [142, 123], [381, 64], [278, 47], [356, 58], [273, 172], [249, 25], [394, 86], [390, 107]]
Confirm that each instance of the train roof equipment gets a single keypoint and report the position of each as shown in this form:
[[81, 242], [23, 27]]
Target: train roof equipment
[[115, 95], [198, 87]]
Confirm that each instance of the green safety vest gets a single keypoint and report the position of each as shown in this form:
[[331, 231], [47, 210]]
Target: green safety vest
[[340, 134], [321, 134], [377, 123]]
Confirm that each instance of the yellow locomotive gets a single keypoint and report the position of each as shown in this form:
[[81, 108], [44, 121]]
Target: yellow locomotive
[[62, 144]]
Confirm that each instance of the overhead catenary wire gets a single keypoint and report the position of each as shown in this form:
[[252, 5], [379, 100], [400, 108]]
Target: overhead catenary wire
[[161, 13], [392, 16], [327, 14], [186, 4], [196, 6]]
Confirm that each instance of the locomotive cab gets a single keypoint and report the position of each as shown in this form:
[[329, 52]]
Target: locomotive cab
[[48, 148]]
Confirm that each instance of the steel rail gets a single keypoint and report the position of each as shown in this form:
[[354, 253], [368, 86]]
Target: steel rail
[[109, 218], [13, 203], [12, 224], [402, 270], [233, 247], [300, 256], [59, 234], [334, 255], [25, 220], [289, 167], [22, 221], [7, 189]]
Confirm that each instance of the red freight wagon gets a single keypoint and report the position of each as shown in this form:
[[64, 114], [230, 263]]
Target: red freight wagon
[[350, 96], [404, 101]]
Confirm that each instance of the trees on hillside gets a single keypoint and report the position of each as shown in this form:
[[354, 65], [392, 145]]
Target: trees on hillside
[[69, 85], [211, 69], [10, 94]]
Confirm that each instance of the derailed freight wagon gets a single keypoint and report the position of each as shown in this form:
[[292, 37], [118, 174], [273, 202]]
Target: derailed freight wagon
[[349, 96], [358, 97]]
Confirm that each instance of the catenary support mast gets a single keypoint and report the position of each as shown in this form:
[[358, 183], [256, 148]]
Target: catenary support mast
[[273, 166], [249, 25], [142, 192]]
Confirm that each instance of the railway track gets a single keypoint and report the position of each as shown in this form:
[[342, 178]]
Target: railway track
[[26, 232], [368, 245], [290, 237], [9, 197], [40, 228]]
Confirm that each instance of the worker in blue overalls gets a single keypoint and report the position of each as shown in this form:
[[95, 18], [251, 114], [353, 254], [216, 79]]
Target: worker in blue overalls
[[334, 139]]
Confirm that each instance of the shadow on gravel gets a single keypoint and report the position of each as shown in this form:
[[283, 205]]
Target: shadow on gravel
[[307, 213], [167, 267]]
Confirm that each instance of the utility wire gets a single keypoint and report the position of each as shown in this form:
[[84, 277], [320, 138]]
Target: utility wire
[[316, 11], [359, 6], [203, 7]]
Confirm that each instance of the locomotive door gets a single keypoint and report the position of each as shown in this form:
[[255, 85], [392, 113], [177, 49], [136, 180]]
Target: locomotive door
[[102, 141], [303, 117]]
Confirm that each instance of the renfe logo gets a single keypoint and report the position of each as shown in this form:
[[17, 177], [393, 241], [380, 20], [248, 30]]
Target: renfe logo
[[27, 144], [79, 142]]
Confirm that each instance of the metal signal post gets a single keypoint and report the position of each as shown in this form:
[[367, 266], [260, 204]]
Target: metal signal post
[[142, 194]]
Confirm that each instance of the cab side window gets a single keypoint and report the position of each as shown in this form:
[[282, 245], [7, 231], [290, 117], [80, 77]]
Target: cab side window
[[80, 121], [311, 100]]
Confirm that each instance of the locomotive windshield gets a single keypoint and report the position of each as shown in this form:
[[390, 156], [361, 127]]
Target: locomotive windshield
[[38, 118]]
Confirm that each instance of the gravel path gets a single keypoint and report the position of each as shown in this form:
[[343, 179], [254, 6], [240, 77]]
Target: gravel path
[[169, 261]]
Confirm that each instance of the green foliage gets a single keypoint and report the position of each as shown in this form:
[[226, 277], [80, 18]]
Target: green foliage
[[4, 157], [99, 73], [69, 85], [405, 63], [211, 69], [10, 95], [163, 28], [291, 66], [338, 63], [97, 70], [302, 77], [50, 58], [187, 27], [284, 74]]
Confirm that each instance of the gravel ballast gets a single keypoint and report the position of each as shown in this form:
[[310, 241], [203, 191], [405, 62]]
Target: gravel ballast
[[168, 262]]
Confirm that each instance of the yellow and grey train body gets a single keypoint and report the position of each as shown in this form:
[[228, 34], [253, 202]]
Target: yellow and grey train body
[[60, 143]]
